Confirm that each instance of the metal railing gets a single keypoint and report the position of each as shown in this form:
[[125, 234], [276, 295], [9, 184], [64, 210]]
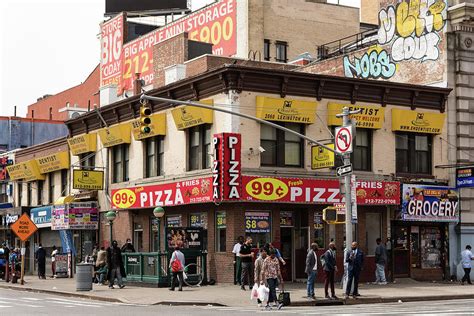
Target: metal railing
[[347, 44], [152, 267]]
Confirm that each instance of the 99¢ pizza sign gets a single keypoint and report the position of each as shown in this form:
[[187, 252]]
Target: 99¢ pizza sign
[[214, 24]]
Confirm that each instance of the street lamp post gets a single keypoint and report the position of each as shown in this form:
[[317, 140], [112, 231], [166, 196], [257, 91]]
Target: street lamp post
[[158, 212], [110, 216]]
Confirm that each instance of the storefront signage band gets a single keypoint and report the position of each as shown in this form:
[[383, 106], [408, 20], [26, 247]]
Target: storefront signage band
[[417, 121], [83, 144], [88, 180], [286, 110], [53, 162], [115, 135], [158, 127], [465, 178], [27, 171], [369, 117], [189, 116]]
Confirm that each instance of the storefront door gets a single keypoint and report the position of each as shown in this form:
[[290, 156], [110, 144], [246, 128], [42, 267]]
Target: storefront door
[[286, 235], [401, 252], [294, 248]]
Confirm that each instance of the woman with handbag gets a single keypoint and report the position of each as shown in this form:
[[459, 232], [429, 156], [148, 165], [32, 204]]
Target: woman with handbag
[[271, 274]]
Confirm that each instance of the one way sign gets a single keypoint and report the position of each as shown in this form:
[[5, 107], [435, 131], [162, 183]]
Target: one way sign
[[343, 170]]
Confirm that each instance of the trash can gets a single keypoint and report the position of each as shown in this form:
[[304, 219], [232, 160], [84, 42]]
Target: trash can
[[84, 276]]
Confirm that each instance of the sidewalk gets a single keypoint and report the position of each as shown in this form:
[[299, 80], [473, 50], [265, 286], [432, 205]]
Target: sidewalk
[[230, 295]]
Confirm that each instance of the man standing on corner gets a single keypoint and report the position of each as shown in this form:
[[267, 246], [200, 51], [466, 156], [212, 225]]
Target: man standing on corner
[[237, 260], [466, 257], [330, 269], [41, 260], [246, 256], [355, 261], [115, 265], [380, 262], [311, 269]]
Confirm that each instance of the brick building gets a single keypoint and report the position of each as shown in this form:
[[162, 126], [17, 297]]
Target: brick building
[[68, 103]]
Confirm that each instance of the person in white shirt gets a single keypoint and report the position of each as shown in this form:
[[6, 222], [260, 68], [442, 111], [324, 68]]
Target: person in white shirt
[[311, 269], [466, 257], [53, 261], [237, 262]]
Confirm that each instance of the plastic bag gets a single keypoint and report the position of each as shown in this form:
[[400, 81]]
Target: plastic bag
[[254, 292], [263, 293], [184, 276]]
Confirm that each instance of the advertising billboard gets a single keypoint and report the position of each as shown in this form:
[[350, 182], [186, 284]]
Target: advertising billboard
[[116, 6], [215, 24]]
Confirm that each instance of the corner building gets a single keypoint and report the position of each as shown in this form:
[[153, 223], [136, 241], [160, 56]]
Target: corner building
[[231, 176]]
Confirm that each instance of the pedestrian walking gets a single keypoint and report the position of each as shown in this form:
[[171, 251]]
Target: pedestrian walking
[[237, 260], [246, 256], [330, 268], [278, 255], [6, 253], [271, 274], [258, 271], [466, 258], [53, 261], [311, 270], [355, 262], [177, 267], [128, 247], [115, 265], [15, 265], [380, 262], [40, 257]]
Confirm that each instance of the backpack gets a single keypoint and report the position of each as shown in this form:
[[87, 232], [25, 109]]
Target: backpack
[[176, 265]]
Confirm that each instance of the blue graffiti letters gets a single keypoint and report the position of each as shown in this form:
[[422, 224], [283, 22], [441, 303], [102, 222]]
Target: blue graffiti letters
[[373, 65]]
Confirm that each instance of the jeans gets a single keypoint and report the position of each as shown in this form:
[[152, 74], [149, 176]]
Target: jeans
[[380, 273], [115, 273], [177, 276], [466, 276], [310, 283], [352, 275], [247, 270], [238, 270], [329, 281], [272, 296]]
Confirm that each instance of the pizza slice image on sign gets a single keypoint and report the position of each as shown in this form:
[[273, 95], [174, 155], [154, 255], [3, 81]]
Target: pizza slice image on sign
[[343, 139]]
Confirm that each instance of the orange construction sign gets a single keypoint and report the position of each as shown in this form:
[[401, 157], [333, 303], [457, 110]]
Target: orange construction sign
[[24, 227]]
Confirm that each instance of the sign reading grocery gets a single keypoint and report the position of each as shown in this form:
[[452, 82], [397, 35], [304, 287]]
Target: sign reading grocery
[[465, 177], [88, 180], [83, 144], [158, 127], [417, 121], [27, 171], [428, 203], [53, 162], [321, 191], [369, 117], [215, 24], [286, 110], [169, 194], [321, 157], [189, 116], [115, 135]]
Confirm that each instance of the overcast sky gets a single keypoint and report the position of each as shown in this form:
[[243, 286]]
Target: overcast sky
[[47, 46]]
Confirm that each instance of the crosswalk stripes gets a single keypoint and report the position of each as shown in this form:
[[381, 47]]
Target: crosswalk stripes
[[47, 302]]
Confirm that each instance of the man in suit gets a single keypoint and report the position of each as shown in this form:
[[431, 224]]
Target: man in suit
[[355, 261], [311, 269], [329, 266]]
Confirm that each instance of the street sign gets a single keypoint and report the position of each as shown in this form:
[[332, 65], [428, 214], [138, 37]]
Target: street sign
[[24, 227], [465, 177], [321, 157], [343, 170], [343, 141]]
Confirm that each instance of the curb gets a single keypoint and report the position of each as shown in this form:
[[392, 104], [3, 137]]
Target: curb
[[67, 294], [189, 303]]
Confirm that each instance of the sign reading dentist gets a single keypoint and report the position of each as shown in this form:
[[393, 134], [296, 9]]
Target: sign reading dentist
[[430, 203]]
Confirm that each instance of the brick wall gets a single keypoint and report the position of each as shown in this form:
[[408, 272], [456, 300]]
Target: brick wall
[[82, 95], [170, 52]]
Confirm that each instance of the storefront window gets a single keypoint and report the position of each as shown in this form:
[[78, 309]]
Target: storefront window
[[154, 234], [318, 229], [431, 245], [173, 221], [373, 231], [138, 237], [258, 226], [221, 226], [415, 247], [281, 149]]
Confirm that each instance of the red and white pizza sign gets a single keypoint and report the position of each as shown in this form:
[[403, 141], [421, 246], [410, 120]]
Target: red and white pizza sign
[[343, 142]]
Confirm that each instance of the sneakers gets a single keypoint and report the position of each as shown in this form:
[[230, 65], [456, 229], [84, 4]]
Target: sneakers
[[259, 305], [280, 306], [121, 286], [268, 307], [242, 288], [382, 283], [111, 287]]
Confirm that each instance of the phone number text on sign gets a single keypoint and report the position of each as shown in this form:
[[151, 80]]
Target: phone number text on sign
[[215, 24]]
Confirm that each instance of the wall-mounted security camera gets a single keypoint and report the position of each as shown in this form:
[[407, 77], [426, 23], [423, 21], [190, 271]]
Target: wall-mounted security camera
[[261, 149]]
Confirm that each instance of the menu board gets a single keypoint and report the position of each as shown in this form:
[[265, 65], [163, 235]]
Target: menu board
[[257, 222], [173, 221], [318, 221], [286, 219], [221, 220], [198, 220]]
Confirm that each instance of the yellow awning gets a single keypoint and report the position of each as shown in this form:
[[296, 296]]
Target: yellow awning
[[286, 110], [83, 144], [417, 121], [64, 200], [188, 116]]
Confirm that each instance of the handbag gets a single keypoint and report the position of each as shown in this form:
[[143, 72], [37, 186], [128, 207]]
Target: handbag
[[284, 298]]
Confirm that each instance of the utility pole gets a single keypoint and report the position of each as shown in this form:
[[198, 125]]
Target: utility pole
[[346, 158]]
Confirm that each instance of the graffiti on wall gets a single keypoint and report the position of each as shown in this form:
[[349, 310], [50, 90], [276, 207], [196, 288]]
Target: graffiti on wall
[[410, 38]]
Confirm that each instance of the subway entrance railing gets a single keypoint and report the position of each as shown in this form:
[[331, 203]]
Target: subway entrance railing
[[152, 268]]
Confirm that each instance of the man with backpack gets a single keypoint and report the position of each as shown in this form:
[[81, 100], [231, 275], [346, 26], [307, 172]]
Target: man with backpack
[[177, 268]]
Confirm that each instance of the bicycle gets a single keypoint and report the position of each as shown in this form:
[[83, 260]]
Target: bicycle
[[194, 275]]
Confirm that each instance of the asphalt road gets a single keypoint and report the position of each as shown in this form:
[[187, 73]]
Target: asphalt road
[[27, 303]]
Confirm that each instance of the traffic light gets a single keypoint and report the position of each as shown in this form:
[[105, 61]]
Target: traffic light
[[145, 119], [330, 214]]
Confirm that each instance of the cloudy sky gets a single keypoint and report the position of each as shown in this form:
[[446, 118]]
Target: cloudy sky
[[47, 46]]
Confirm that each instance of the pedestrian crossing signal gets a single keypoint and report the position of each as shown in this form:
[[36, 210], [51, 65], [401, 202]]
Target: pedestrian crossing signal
[[145, 119], [330, 216]]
